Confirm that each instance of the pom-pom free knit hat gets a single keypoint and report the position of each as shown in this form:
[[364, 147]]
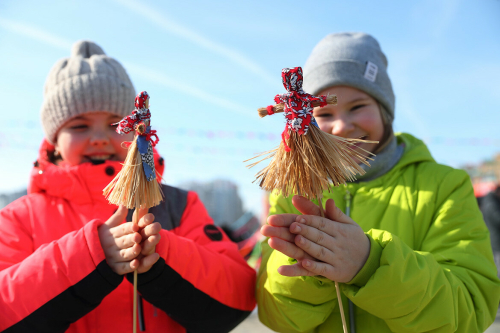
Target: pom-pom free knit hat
[[87, 81], [350, 59]]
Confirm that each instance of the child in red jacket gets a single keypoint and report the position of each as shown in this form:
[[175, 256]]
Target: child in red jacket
[[62, 267]]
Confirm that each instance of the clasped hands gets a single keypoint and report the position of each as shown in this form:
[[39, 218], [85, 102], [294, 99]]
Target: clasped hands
[[333, 246], [128, 246]]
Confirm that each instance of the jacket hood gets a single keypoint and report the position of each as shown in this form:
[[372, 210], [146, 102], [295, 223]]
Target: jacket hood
[[415, 151], [81, 183]]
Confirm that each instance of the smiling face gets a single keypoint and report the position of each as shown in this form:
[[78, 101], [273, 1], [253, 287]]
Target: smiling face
[[90, 137], [356, 116]]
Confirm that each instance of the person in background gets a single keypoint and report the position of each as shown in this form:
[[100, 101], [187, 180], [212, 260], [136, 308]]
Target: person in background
[[64, 250], [406, 241], [490, 207]]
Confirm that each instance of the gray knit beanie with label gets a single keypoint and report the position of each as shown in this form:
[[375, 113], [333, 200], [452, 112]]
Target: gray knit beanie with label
[[350, 59], [86, 81]]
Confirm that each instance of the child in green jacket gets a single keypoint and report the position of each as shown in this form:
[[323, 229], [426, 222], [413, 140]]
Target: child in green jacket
[[406, 241]]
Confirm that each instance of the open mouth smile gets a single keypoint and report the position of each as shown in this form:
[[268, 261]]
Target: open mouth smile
[[99, 158]]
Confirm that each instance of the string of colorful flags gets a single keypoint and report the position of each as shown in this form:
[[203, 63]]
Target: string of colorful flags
[[250, 135], [225, 134], [23, 142]]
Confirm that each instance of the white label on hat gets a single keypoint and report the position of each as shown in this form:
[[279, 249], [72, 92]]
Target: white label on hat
[[371, 71]]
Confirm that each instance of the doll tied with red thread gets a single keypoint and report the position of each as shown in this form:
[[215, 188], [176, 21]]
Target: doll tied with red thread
[[136, 185], [307, 160], [140, 120]]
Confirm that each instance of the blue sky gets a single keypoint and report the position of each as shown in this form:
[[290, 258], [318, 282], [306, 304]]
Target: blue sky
[[208, 65]]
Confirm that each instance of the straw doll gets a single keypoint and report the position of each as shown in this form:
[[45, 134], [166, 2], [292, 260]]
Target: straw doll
[[308, 160], [136, 186]]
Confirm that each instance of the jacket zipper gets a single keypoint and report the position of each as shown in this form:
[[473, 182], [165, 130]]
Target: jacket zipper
[[140, 309], [352, 323]]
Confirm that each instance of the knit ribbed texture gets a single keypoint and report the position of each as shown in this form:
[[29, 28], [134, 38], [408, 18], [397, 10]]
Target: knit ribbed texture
[[341, 60], [385, 160], [85, 82]]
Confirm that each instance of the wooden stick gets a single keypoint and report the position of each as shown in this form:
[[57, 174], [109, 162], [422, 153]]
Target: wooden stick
[[339, 297], [337, 288], [134, 318], [277, 108], [134, 315]]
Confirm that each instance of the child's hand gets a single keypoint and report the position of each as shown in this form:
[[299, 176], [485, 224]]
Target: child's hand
[[150, 233], [338, 244], [120, 242], [281, 239]]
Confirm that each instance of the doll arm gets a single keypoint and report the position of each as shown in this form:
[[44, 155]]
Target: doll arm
[[49, 288], [203, 283], [449, 285], [321, 100], [126, 125], [281, 98]]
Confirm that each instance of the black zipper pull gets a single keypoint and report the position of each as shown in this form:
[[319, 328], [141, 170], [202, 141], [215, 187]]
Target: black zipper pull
[[140, 308]]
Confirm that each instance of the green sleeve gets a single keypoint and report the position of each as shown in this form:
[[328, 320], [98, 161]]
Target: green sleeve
[[448, 286], [290, 304]]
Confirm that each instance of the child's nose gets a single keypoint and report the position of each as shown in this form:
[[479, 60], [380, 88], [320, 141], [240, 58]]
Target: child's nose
[[99, 139], [342, 127]]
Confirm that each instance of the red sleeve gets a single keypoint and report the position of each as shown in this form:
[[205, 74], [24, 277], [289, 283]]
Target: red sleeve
[[43, 280], [280, 98], [321, 99], [212, 264]]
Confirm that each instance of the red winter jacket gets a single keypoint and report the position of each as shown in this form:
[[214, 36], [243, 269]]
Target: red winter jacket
[[54, 276]]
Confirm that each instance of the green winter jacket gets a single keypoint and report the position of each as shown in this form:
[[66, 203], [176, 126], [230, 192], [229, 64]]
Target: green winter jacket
[[430, 267]]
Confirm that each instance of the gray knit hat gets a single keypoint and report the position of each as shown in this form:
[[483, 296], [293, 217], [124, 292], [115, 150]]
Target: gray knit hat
[[350, 59], [85, 82]]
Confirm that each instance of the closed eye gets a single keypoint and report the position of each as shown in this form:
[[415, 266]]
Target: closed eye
[[322, 115], [357, 107], [79, 127]]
